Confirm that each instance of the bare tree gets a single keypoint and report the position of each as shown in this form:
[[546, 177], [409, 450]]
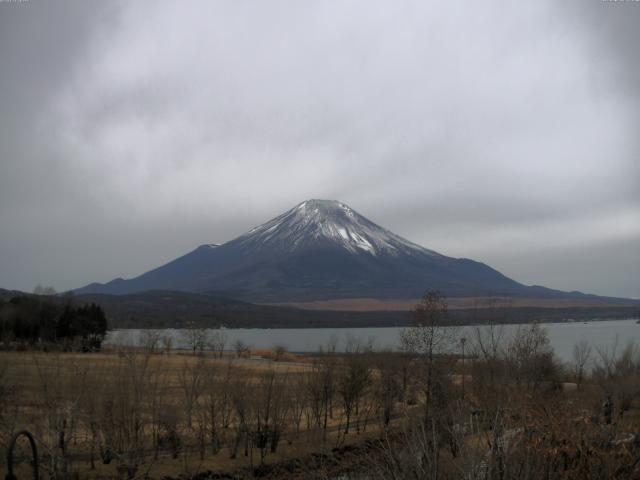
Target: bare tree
[[605, 361], [218, 341], [217, 400], [487, 345], [269, 413], [618, 371], [353, 380], [241, 348], [191, 380], [156, 402], [314, 382], [195, 338], [299, 399], [241, 400], [61, 392], [531, 356], [149, 340], [123, 420], [581, 357], [388, 385], [429, 336], [167, 343]]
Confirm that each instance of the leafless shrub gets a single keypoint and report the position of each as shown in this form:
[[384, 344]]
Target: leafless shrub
[[279, 352]]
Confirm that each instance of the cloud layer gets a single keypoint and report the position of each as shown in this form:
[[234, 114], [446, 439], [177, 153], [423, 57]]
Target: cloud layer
[[505, 133]]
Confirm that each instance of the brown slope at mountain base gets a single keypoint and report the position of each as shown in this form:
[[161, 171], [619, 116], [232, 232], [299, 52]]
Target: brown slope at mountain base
[[462, 303]]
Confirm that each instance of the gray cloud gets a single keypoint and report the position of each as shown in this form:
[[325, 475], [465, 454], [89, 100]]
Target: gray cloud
[[501, 132]]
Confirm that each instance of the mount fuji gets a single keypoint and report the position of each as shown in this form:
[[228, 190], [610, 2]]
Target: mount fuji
[[321, 250]]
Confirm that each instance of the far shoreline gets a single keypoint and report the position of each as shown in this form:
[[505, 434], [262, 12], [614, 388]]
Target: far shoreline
[[635, 318]]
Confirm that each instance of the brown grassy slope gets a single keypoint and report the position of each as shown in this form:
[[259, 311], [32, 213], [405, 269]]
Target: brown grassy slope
[[466, 303]]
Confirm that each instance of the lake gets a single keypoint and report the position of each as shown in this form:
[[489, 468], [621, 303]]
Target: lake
[[563, 336]]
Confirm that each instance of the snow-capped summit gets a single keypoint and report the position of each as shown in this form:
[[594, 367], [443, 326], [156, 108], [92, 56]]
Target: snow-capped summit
[[320, 249], [329, 222]]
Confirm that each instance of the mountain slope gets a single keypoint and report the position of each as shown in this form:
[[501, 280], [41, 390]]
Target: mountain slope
[[321, 249]]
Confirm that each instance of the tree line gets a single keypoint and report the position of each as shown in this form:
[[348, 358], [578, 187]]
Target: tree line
[[45, 321]]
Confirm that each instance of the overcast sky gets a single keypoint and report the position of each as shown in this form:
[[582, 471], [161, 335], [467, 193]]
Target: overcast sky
[[506, 132]]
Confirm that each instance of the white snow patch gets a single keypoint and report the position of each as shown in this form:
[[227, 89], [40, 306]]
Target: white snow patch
[[313, 220], [272, 228], [363, 243]]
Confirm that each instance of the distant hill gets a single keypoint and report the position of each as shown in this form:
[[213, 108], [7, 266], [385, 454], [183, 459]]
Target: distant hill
[[9, 294], [173, 309], [323, 250]]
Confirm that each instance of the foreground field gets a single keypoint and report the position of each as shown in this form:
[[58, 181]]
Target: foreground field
[[170, 414], [506, 411]]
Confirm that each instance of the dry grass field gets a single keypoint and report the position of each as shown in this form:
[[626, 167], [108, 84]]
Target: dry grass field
[[171, 414], [507, 411], [466, 303]]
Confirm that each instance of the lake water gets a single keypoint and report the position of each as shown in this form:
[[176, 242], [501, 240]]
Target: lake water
[[563, 336]]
